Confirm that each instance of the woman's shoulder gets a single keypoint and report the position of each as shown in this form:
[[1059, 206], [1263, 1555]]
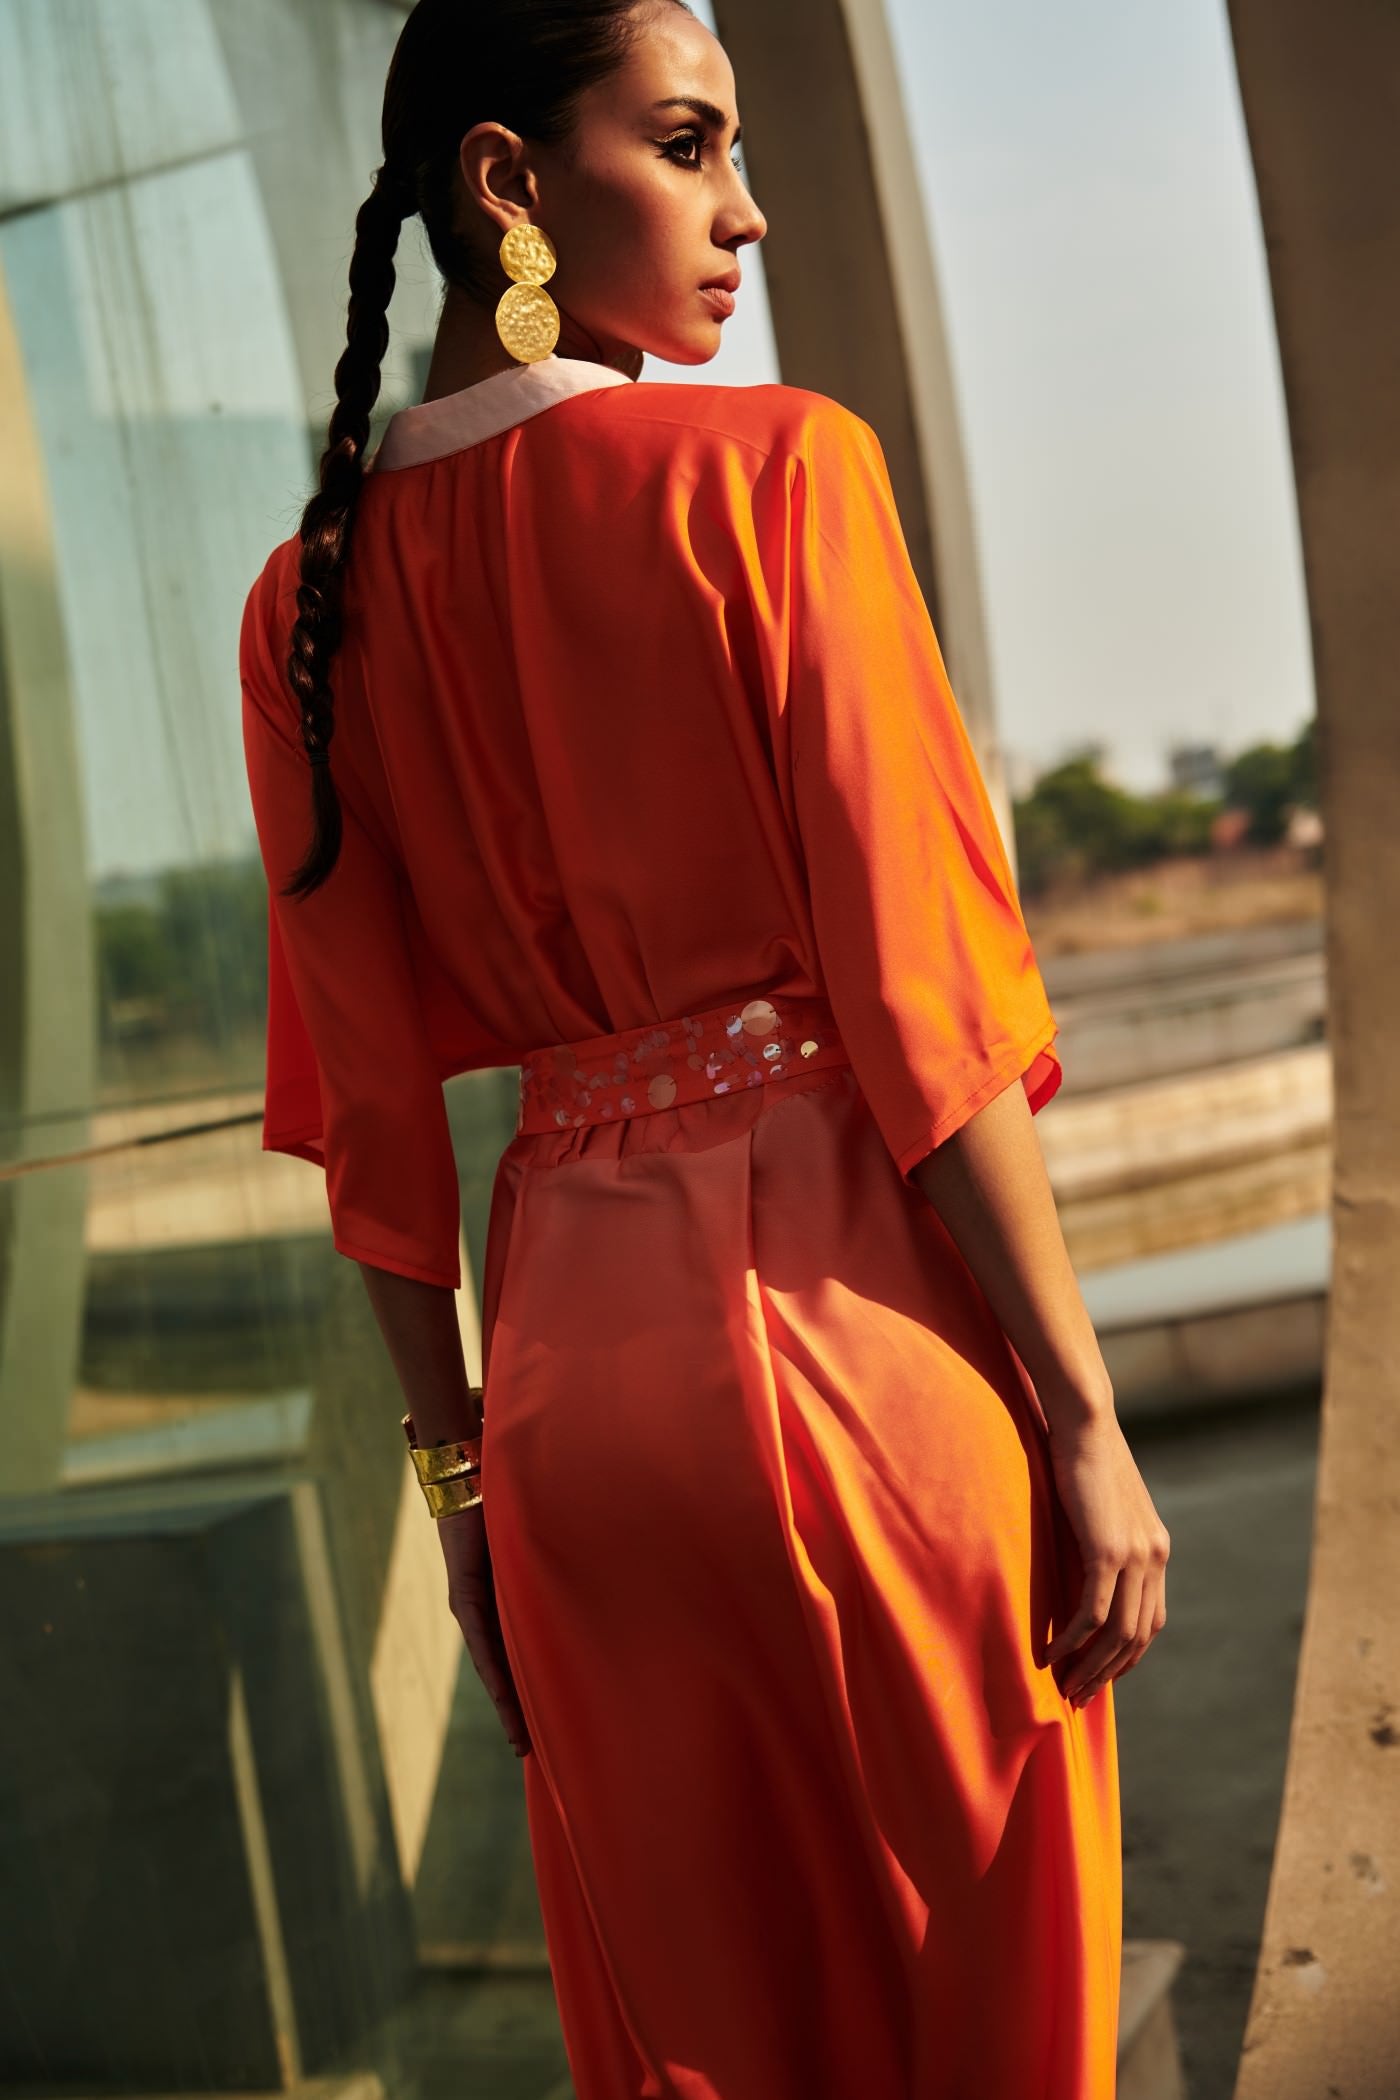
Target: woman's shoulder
[[768, 418], [278, 576], [269, 612]]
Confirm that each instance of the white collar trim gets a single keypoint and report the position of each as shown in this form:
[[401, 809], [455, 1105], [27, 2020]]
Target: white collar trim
[[431, 429]]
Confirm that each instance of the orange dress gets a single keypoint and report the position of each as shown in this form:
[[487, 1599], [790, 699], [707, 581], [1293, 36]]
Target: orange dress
[[653, 785]]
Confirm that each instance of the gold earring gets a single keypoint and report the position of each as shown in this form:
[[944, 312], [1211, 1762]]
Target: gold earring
[[527, 319]]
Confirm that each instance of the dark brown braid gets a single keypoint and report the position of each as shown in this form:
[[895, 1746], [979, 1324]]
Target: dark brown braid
[[327, 524], [521, 63]]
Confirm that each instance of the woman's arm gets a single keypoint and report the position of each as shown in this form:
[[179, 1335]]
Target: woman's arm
[[419, 1324], [989, 1184]]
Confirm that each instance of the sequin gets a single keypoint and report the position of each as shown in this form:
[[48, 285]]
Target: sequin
[[665, 1065], [760, 1017]]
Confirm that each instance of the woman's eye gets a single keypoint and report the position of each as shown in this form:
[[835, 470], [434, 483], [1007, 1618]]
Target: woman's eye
[[676, 149]]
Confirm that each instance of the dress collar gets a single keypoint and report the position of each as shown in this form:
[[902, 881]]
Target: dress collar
[[430, 429]]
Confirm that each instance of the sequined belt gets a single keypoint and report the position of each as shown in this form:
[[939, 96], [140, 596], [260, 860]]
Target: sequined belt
[[606, 1078]]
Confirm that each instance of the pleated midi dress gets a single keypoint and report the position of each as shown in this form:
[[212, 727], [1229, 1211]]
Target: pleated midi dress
[[654, 786]]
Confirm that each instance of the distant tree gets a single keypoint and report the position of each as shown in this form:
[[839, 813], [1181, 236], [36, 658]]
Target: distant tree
[[1075, 824], [199, 951], [1261, 781], [1180, 822], [133, 959], [1304, 753]]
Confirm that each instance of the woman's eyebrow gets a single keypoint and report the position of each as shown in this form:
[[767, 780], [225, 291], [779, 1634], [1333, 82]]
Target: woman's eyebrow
[[710, 111]]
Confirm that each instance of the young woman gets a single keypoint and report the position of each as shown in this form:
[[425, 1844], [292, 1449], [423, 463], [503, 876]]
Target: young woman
[[621, 749]]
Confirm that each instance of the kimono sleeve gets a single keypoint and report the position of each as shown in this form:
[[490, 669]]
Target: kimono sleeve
[[352, 1082], [918, 928]]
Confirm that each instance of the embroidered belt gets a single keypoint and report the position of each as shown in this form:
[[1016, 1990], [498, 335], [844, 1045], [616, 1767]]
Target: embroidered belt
[[607, 1078]]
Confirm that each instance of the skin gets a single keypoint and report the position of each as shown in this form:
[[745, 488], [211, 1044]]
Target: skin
[[644, 205], [990, 1186]]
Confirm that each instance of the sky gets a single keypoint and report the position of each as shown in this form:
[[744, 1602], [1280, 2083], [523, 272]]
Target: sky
[[1092, 214]]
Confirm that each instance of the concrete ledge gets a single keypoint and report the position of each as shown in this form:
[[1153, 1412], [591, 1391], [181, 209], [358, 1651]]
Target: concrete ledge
[[1176, 1162], [1242, 1317], [1167, 1008], [1149, 2061]]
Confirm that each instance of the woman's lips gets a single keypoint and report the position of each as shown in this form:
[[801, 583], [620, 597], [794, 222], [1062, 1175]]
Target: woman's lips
[[721, 300]]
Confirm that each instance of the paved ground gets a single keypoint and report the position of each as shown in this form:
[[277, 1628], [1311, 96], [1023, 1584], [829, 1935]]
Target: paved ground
[[1203, 1729], [1203, 1721]]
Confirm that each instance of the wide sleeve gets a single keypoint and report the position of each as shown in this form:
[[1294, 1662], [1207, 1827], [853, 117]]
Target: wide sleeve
[[920, 939], [352, 1081]]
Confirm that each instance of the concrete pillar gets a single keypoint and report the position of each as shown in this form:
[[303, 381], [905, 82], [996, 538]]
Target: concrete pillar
[[853, 289], [47, 1014], [1322, 109]]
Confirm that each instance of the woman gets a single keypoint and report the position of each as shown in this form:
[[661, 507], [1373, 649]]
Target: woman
[[642, 772]]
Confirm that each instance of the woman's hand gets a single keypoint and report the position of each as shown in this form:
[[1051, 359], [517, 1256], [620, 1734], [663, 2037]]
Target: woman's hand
[[423, 1335], [989, 1182], [1124, 1546], [472, 1596]]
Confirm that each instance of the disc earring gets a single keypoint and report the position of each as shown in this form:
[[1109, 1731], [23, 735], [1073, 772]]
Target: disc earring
[[527, 319]]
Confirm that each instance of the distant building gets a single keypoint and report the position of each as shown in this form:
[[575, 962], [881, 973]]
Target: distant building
[[1197, 769]]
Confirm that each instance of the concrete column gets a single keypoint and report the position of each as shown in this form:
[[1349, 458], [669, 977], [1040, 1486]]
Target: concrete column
[[1321, 94], [47, 1017], [853, 289]]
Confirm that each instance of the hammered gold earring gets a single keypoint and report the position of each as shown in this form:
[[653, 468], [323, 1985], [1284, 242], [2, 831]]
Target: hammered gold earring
[[527, 319]]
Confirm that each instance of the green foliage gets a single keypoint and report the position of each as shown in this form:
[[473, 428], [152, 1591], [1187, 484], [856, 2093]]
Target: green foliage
[[1260, 781], [1270, 780], [1074, 824], [192, 961]]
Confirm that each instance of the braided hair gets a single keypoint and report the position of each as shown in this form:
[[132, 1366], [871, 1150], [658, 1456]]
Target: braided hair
[[457, 63]]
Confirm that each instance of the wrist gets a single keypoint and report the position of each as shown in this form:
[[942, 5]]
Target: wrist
[[1070, 1407], [450, 1420]]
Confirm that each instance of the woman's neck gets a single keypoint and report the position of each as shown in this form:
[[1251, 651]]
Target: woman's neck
[[467, 348]]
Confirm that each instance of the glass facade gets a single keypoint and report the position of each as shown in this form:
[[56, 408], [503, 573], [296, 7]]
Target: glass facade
[[258, 1820]]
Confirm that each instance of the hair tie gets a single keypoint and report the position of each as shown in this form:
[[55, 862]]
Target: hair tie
[[319, 756]]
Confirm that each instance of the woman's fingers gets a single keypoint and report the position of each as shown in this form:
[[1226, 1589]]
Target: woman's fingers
[[1093, 1633], [473, 1606], [481, 1631], [1119, 1629], [1154, 1618], [1088, 1679], [1124, 1547], [1095, 1604], [472, 1598]]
